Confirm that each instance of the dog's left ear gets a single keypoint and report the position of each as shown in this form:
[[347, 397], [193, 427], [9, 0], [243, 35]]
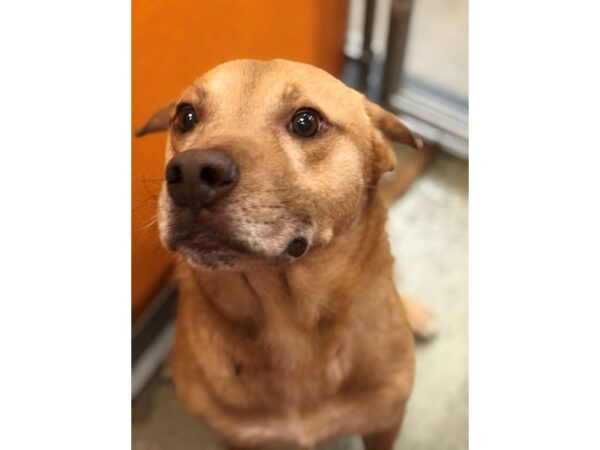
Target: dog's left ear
[[393, 129], [158, 122]]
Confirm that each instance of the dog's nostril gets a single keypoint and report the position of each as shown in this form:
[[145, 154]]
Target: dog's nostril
[[211, 176], [173, 174]]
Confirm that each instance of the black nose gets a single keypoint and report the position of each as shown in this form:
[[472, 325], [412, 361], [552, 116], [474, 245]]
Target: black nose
[[197, 178]]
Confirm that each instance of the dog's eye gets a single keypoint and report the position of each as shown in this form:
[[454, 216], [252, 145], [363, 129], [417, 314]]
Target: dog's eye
[[305, 123], [186, 117]]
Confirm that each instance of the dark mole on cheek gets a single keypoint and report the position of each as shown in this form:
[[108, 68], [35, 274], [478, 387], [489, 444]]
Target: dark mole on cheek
[[237, 367]]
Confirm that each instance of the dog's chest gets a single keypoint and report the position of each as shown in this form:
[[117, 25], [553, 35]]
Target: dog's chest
[[231, 390], [284, 366], [294, 370]]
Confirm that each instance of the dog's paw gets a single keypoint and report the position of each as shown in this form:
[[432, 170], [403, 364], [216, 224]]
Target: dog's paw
[[422, 322], [426, 329]]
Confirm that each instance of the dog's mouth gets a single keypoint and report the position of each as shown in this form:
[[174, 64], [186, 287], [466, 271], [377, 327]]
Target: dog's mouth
[[207, 249], [203, 239]]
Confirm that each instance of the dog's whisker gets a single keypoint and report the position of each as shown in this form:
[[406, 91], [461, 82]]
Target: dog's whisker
[[145, 181], [149, 223], [146, 203]]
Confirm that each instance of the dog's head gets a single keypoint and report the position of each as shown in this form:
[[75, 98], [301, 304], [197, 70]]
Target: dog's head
[[266, 160]]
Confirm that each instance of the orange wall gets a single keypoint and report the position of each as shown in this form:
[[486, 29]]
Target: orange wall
[[173, 42]]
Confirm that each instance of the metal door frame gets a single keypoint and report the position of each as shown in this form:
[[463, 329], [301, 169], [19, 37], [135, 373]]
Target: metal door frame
[[436, 118]]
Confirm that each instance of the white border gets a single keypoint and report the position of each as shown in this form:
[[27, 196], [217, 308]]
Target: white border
[[65, 225], [65, 320], [534, 225]]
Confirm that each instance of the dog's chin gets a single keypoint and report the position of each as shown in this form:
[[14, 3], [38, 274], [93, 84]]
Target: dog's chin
[[215, 259], [208, 252]]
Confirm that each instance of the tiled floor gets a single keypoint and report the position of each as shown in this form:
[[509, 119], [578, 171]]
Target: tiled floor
[[428, 230]]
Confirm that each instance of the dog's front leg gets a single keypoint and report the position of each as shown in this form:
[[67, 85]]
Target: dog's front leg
[[383, 440]]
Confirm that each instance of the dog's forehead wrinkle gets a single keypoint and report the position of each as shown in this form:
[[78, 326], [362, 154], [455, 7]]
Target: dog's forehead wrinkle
[[195, 94], [291, 93], [197, 91]]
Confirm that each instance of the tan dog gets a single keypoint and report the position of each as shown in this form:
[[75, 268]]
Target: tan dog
[[290, 330]]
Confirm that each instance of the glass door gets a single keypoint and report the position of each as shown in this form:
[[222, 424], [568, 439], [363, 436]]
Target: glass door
[[413, 56]]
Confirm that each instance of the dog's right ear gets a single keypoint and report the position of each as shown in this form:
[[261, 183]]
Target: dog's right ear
[[391, 126], [158, 122]]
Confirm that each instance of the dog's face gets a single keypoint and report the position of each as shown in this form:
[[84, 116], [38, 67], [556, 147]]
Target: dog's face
[[265, 161]]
